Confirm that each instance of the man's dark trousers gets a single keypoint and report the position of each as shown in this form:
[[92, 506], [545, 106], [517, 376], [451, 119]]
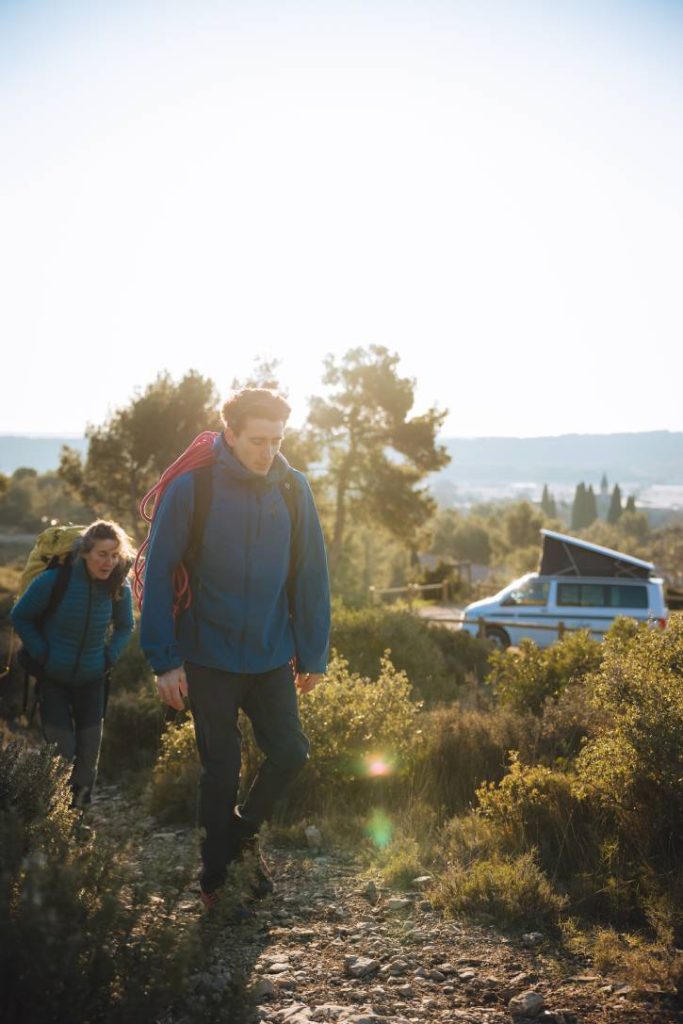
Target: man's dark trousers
[[270, 702]]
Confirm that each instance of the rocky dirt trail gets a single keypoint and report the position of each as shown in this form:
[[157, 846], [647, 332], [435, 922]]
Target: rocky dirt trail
[[334, 945]]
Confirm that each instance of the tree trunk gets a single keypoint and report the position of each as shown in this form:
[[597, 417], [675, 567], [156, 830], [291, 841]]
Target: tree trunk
[[337, 545]]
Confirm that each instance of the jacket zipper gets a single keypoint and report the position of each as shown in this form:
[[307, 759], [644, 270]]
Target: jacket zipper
[[247, 559], [85, 631]]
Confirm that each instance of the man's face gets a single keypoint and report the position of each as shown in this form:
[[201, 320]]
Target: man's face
[[257, 443]]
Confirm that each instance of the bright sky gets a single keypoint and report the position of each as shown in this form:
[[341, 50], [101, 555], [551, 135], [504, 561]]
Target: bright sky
[[491, 188]]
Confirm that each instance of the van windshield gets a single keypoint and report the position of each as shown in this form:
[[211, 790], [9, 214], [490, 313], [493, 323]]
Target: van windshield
[[531, 592]]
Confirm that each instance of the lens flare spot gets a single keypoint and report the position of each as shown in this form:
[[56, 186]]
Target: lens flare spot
[[379, 829], [378, 766]]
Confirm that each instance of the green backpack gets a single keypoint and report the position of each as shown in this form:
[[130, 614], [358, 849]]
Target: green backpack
[[52, 548]]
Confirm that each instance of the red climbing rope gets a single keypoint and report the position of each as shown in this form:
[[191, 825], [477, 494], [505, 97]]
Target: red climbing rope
[[200, 453]]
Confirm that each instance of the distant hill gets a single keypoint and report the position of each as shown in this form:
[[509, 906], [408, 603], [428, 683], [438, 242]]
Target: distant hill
[[655, 457], [645, 459], [41, 453]]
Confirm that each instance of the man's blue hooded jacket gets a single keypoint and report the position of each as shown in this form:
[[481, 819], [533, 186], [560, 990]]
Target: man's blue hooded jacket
[[239, 620]]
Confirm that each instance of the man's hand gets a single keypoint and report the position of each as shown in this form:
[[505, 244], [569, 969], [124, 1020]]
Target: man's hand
[[172, 687], [306, 681]]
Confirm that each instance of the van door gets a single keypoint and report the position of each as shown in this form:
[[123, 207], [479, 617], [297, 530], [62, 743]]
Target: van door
[[585, 605], [524, 608]]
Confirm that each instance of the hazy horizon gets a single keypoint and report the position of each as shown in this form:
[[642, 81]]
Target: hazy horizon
[[442, 435]]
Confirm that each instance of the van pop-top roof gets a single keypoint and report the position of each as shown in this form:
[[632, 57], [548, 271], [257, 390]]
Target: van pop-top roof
[[569, 556]]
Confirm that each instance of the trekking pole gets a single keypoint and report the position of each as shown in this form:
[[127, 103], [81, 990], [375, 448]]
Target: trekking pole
[[6, 670]]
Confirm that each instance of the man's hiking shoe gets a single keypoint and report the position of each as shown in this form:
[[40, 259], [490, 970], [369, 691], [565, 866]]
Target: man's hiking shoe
[[209, 899], [82, 831], [230, 914], [261, 882]]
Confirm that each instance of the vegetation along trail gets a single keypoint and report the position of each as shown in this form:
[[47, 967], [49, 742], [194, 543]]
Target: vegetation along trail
[[335, 944]]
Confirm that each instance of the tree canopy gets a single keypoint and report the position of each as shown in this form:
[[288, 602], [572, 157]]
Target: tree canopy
[[131, 450], [377, 455]]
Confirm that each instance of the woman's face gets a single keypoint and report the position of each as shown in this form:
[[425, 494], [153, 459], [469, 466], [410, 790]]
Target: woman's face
[[102, 559]]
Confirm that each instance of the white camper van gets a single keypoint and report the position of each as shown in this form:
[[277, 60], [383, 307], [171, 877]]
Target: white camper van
[[579, 585]]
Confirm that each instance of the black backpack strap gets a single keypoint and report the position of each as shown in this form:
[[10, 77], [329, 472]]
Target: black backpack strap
[[289, 492], [59, 590], [29, 664], [203, 492]]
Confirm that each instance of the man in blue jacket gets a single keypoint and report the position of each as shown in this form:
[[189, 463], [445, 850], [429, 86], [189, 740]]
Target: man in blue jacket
[[257, 629]]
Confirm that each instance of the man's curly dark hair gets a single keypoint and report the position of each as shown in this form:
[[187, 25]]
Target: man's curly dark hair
[[261, 403]]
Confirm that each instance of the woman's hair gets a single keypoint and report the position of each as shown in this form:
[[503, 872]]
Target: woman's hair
[[103, 529], [258, 402]]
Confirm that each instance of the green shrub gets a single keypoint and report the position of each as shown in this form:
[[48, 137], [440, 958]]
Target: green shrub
[[525, 678], [638, 757], [363, 734], [633, 767], [82, 937], [466, 658], [132, 671], [565, 723], [363, 737], [461, 750], [438, 661], [133, 727], [511, 891], [400, 841], [536, 808], [400, 862], [173, 794], [467, 838]]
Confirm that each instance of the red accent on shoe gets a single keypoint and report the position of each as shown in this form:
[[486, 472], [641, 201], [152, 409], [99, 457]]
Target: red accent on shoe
[[209, 899]]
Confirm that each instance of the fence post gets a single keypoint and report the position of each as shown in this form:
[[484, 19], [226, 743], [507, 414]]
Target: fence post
[[481, 632], [560, 630]]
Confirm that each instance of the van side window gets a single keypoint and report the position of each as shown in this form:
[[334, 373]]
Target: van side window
[[594, 595], [533, 592], [569, 594], [601, 595], [629, 597], [582, 595]]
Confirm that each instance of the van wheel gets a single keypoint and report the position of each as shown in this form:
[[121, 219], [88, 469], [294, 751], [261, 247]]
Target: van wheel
[[498, 637]]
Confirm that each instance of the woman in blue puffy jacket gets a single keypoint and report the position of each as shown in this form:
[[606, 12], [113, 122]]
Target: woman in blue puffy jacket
[[76, 644]]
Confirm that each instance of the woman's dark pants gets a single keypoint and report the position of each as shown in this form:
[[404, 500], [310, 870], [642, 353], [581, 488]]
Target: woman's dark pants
[[71, 719], [269, 700]]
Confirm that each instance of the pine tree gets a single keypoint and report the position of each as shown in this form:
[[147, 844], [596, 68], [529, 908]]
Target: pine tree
[[548, 504], [604, 484], [591, 506], [579, 507], [615, 508], [630, 503]]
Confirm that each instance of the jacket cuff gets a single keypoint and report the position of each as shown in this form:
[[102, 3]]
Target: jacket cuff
[[160, 668], [315, 668]]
